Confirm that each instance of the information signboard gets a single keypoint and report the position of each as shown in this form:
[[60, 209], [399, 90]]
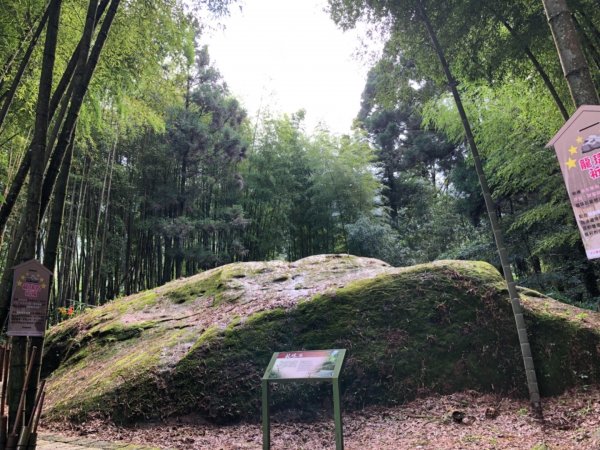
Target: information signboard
[[29, 302], [577, 146], [304, 366]]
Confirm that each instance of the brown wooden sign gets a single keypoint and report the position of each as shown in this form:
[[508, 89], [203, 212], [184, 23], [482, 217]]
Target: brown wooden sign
[[29, 303], [577, 146]]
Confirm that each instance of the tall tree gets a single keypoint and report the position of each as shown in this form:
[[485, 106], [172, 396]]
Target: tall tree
[[32, 209], [405, 148], [532, 385], [572, 59], [406, 16]]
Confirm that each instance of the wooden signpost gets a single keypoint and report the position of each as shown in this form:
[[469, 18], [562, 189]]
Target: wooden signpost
[[29, 303], [26, 322], [304, 366]]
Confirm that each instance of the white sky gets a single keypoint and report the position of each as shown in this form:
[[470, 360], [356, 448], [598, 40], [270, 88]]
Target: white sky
[[284, 55]]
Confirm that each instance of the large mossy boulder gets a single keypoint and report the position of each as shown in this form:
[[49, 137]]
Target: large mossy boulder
[[200, 345]]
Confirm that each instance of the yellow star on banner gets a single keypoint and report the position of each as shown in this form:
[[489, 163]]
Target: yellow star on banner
[[571, 163], [572, 149], [579, 140]]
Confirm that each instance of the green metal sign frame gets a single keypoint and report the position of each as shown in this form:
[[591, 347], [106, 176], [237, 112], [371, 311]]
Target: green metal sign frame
[[304, 366]]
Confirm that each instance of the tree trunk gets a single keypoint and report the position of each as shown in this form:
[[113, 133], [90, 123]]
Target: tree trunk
[[13, 192], [67, 248], [79, 90], [32, 209], [82, 201], [38, 144], [110, 168], [168, 264], [5, 289], [86, 238], [127, 269], [572, 60], [58, 206], [532, 385], [82, 80], [71, 66], [17, 182]]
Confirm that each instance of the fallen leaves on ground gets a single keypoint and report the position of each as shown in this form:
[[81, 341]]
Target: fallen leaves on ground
[[572, 421]]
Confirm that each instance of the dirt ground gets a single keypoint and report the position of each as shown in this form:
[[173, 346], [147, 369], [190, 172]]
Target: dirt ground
[[465, 420]]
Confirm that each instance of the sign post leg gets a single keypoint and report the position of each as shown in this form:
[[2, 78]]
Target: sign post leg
[[266, 422], [337, 415]]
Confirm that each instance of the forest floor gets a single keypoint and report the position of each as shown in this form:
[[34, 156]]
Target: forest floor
[[467, 420]]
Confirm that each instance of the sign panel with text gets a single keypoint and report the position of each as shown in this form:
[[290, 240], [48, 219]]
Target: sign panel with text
[[577, 146], [313, 366], [305, 364], [29, 302]]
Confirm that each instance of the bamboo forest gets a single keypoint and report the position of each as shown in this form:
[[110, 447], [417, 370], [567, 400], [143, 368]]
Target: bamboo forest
[[184, 237]]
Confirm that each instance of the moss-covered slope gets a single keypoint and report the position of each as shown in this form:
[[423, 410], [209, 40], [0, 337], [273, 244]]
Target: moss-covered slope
[[200, 345]]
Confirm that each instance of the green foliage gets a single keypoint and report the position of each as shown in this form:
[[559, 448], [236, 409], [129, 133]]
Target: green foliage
[[417, 166], [164, 182], [302, 190], [161, 181], [376, 239], [510, 79], [525, 179]]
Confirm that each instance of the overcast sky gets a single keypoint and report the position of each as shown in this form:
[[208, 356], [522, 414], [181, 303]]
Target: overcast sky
[[284, 55]]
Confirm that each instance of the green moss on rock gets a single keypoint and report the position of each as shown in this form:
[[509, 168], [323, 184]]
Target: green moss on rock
[[217, 284], [400, 343], [440, 327], [190, 292]]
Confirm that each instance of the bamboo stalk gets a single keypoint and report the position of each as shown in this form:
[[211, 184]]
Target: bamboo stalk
[[3, 431], [37, 402], [25, 435], [24, 390], [5, 367], [2, 354], [13, 438], [3, 416], [38, 414]]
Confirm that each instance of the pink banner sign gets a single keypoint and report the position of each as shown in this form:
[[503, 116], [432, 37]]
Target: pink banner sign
[[577, 146]]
